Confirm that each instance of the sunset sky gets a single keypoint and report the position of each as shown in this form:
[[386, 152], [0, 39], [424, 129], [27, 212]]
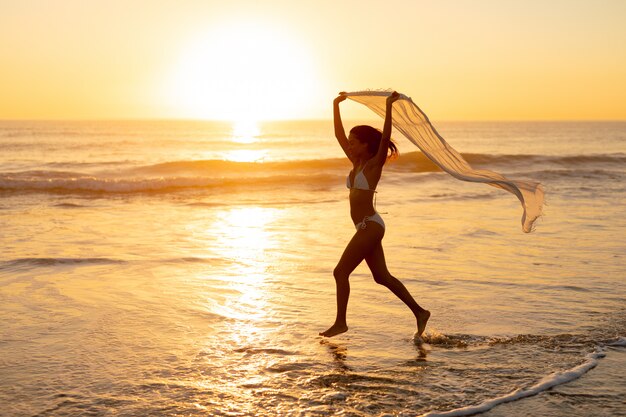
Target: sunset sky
[[458, 60]]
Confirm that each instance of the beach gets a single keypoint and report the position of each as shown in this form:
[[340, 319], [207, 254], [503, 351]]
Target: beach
[[185, 268]]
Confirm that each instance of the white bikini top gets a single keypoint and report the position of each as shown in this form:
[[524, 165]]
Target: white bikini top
[[360, 182]]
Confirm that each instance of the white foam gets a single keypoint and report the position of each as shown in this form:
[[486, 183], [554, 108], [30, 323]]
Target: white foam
[[546, 383]]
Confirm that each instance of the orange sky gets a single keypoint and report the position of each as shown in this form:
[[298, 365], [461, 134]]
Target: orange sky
[[458, 60]]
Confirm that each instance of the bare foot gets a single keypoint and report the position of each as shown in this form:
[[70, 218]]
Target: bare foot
[[422, 319], [335, 329]]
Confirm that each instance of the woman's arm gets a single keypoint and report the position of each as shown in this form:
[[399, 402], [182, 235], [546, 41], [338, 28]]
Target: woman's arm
[[383, 148], [340, 133]]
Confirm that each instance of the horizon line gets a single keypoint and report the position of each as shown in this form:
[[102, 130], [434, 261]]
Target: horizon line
[[179, 119]]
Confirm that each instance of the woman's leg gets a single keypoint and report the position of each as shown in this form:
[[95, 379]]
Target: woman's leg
[[377, 264], [362, 244]]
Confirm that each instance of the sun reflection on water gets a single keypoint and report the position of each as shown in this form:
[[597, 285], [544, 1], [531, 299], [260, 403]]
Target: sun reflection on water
[[245, 131], [245, 239], [245, 155]]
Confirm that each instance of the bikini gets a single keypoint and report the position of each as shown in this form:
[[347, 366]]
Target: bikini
[[360, 183]]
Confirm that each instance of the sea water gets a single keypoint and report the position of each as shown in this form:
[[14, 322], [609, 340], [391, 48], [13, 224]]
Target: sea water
[[183, 268]]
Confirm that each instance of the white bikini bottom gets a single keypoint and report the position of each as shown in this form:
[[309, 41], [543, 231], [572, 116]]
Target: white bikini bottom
[[373, 218]]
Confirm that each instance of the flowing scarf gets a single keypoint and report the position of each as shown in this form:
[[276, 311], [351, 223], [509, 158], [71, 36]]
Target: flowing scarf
[[415, 126]]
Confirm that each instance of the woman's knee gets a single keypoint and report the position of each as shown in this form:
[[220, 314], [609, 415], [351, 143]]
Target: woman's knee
[[340, 274], [382, 279]]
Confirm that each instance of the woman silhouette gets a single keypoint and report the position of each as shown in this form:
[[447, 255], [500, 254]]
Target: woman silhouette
[[368, 149]]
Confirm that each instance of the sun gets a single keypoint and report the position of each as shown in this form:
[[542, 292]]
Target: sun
[[244, 72]]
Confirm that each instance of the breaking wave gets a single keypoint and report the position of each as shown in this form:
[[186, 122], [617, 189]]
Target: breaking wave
[[212, 174]]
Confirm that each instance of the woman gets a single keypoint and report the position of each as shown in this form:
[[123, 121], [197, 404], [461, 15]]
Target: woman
[[368, 149]]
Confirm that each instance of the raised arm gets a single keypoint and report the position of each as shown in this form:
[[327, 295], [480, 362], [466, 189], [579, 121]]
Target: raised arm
[[383, 148], [340, 133]]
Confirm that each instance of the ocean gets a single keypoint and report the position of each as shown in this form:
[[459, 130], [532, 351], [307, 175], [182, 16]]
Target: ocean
[[180, 268]]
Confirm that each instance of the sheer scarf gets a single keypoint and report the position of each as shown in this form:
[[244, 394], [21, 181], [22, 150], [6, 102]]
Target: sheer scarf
[[415, 126]]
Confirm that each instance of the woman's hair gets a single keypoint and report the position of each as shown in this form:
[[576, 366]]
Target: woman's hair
[[372, 137]]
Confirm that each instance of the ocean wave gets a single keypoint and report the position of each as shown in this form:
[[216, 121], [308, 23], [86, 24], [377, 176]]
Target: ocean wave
[[462, 341], [594, 344], [224, 167], [27, 263], [68, 205], [410, 162], [96, 185], [210, 174], [546, 383], [417, 161]]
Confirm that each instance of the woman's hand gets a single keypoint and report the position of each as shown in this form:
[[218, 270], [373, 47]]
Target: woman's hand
[[341, 97], [392, 98]]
